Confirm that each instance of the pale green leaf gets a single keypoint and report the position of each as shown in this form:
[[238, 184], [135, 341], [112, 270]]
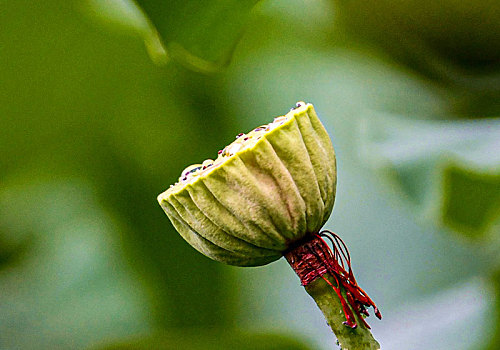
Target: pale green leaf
[[448, 170]]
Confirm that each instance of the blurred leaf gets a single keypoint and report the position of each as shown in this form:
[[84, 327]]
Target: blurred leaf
[[203, 339], [126, 16], [202, 34], [449, 171], [79, 100], [71, 287], [439, 38], [122, 13], [481, 193], [495, 338], [439, 321], [453, 43]]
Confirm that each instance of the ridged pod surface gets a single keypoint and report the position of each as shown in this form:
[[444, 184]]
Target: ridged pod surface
[[265, 191]]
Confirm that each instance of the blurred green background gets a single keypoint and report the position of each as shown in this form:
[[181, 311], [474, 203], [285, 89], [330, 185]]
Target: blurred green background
[[103, 104]]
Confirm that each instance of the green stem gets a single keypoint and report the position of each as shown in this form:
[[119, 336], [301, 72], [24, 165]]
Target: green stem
[[327, 300]]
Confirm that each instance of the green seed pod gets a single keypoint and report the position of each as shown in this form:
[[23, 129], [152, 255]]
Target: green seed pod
[[266, 190]]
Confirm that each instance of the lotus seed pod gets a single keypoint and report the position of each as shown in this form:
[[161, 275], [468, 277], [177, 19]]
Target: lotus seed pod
[[265, 191]]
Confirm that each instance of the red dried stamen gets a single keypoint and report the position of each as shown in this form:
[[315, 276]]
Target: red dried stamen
[[315, 259]]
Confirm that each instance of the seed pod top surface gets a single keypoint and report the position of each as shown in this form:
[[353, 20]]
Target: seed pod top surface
[[266, 190]]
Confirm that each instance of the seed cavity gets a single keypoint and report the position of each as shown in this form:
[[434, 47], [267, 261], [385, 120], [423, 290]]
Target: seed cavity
[[241, 142]]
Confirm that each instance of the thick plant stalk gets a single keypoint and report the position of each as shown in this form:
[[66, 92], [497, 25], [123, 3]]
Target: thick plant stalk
[[359, 338]]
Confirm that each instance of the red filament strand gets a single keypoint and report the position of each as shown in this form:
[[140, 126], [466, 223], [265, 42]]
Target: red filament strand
[[314, 259]]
